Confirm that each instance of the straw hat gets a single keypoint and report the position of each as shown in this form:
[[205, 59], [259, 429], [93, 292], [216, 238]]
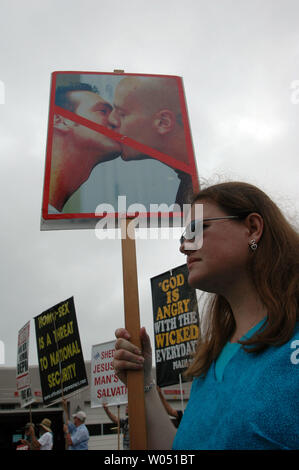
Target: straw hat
[[46, 424]]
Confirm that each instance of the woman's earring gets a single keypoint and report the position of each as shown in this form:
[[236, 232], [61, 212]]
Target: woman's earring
[[253, 244]]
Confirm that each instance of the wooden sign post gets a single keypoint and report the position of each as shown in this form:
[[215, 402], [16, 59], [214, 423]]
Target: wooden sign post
[[137, 421], [118, 427]]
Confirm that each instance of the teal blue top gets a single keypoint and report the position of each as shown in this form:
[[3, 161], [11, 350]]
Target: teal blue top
[[246, 401], [230, 350]]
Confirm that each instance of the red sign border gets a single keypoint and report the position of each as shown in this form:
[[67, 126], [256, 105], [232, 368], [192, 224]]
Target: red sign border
[[53, 109]]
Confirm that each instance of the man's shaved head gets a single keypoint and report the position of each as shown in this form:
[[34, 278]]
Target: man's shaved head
[[148, 110]]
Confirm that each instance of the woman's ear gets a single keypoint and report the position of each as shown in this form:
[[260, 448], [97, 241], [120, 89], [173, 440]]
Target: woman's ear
[[255, 226]]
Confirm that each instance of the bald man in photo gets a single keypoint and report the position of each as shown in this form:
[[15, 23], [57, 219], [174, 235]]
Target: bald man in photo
[[148, 110]]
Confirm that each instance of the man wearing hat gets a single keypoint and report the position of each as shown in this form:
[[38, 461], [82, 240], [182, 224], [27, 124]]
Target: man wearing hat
[[77, 435], [45, 442]]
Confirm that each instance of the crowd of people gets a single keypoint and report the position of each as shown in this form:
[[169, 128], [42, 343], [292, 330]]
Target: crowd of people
[[76, 433]]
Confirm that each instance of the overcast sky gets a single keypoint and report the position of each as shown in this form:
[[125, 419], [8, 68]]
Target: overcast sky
[[239, 61]]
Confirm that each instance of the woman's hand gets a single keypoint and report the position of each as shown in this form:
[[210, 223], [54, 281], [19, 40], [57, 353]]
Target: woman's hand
[[127, 356]]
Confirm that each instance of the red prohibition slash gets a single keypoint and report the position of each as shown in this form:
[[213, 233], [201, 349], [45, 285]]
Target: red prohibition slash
[[144, 149], [172, 162]]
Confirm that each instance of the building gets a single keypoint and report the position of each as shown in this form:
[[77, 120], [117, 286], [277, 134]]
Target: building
[[103, 433]]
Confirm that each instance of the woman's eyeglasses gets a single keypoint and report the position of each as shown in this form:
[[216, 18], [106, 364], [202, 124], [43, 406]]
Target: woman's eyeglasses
[[196, 226]]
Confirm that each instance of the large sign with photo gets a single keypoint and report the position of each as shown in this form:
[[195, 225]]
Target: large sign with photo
[[60, 358], [176, 324], [105, 386], [117, 144]]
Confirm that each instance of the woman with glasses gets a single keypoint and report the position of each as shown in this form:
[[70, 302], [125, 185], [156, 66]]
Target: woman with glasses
[[245, 370]]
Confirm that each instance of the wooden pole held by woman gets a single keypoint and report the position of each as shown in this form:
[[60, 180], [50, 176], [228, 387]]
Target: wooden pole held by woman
[[135, 380]]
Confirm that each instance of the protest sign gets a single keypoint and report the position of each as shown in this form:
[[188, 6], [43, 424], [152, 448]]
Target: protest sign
[[105, 386], [107, 168], [61, 363], [176, 324], [23, 377]]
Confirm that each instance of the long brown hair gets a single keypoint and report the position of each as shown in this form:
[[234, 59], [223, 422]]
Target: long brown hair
[[274, 269]]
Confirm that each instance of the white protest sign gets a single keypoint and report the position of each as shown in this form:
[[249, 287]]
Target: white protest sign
[[23, 377], [105, 386]]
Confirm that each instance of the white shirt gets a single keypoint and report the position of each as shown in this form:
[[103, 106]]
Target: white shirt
[[46, 441], [142, 181]]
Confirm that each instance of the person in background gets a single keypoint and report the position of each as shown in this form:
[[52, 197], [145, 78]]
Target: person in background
[[76, 434], [45, 441], [27, 441], [123, 423], [177, 414], [244, 394]]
